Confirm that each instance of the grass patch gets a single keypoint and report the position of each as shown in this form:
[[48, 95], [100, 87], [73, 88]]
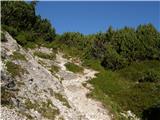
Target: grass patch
[[46, 109], [6, 96], [74, 68], [62, 99], [137, 70], [42, 62], [27, 115], [18, 56], [70, 51], [29, 104], [117, 90], [30, 45], [94, 64], [14, 69], [45, 55], [54, 69]]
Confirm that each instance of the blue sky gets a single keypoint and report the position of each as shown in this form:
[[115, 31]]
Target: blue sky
[[92, 17]]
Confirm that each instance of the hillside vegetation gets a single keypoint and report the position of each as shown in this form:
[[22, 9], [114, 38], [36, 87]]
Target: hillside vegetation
[[21, 21], [128, 59]]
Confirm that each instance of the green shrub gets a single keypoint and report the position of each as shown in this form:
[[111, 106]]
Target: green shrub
[[39, 41], [45, 55], [26, 39], [113, 60], [31, 45], [11, 30], [74, 68], [94, 64], [149, 76], [21, 38]]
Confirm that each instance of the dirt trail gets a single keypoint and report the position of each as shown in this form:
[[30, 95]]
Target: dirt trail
[[76, 93]]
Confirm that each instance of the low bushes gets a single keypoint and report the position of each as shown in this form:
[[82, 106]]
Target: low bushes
[[113, 60], [146, 71], [11, 30], [149, 76], [24, 37], [118, 89]]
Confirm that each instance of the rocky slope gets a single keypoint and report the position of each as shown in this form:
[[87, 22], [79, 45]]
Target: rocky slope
[[32, 89]]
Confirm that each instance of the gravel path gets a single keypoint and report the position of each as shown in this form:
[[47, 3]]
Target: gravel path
[[76, 93]]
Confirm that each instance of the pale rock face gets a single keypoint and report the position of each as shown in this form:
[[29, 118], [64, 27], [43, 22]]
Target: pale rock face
[[10, 114], [129, 115], [38, 84]]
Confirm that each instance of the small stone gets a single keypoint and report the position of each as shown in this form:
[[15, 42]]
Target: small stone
[[11, 84]]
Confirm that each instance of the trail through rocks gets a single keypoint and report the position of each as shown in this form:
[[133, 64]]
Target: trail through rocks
[[76, 93]]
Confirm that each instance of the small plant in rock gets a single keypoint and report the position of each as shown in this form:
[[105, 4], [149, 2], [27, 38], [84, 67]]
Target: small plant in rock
[[14, 69], [42, 62], [54, 69], [46, 109], [6, 96], [18, 56], [62, 99], [45, 55], [27, 115]]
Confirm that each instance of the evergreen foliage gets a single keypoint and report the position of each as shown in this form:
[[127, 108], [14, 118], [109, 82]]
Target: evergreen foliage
[[20, 20]]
